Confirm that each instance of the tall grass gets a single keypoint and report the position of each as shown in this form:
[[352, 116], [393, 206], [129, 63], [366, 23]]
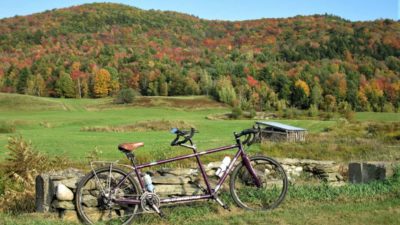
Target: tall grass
[[350, 192], [344, 142], [7, 127], [17, 182]]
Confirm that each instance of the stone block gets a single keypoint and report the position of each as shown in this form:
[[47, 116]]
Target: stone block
[[177, 189], [170, 179], [63, 204], [178, 172], [370, 171], [71, 182], [355, 172], [44, 193]]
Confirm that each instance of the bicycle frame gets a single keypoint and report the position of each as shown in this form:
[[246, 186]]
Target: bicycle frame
[[211, 192]]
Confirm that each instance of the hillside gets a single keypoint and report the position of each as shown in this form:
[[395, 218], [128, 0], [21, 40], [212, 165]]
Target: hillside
[[94, 50]]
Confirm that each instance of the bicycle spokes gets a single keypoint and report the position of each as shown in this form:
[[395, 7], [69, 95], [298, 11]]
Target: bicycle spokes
[[272, 189]]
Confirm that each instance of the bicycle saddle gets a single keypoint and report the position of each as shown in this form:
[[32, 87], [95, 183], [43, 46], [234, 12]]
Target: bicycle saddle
[[128, 147]]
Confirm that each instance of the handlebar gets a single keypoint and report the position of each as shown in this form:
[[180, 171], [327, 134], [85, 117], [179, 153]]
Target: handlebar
[[251, 135], [182, 133]]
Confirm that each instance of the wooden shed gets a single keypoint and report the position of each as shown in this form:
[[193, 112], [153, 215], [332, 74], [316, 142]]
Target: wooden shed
[[274, 131]]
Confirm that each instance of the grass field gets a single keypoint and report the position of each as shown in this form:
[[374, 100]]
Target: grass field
[[55, 127], [382, 210]]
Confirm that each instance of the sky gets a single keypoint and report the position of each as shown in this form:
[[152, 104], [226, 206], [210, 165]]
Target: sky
[[354, 10]]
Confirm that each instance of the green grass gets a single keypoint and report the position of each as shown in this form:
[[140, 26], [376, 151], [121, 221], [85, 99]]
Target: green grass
[[54, 127], [384, 211], [375, 116], [58, 131]]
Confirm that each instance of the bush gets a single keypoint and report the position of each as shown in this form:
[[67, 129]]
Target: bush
[[236, 112], [313, 111], [253, 113], [125, 96], [22, 165]]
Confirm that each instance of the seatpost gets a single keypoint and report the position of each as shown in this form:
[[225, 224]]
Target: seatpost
[[131, 157]]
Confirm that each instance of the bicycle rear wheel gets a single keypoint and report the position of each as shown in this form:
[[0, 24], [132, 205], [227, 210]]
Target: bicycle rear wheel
[[95, 194], [273, 187]]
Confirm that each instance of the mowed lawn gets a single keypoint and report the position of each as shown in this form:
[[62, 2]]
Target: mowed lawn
[[54, 125]]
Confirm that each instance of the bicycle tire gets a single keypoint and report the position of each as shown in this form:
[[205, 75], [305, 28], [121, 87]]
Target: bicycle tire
[[90, 200], [274, 184]]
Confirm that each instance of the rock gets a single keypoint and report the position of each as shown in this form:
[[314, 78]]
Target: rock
[[63, 193], [339, 177], [178, 172], [44, 194], [175, 189], [69, 215], [366, 172], [299, 169], [71, 182], [170, 179], [89, 201], [213, 165], [210, 173], [62, 204]]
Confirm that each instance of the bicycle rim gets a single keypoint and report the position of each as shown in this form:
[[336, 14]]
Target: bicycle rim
[[273, 184], [95, 193]]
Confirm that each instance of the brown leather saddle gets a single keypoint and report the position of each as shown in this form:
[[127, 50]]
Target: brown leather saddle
[[129, 147]]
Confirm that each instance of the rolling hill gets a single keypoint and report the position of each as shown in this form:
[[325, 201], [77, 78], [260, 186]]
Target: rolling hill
[[94, 50]]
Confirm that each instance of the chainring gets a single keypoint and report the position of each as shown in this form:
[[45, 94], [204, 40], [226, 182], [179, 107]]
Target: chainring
[[147, 200]]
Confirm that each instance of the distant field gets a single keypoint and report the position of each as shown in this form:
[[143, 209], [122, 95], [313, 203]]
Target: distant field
[[54, 125], [375, 116], [55, 128]]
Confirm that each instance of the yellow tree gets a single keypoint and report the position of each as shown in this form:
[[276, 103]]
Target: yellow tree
[[102, 81]]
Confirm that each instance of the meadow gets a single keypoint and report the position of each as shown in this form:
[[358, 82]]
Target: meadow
[[55, 126], [75, 128]]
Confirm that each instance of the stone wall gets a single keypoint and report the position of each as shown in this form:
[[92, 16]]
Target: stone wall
[[55, 190]]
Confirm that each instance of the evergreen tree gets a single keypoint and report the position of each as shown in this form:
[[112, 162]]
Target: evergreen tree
[[23, 80], [65, 86]]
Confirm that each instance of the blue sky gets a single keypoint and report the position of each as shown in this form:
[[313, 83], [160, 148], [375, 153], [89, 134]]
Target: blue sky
[[231, 9]]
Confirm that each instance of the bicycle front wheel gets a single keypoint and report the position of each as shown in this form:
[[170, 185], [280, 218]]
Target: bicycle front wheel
[[273, 187], [96, 193]]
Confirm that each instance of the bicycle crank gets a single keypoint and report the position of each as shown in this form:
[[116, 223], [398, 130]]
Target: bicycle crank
[[225, 206], [150, 202]]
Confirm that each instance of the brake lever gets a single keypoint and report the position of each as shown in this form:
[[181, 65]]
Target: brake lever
[[246, 141]]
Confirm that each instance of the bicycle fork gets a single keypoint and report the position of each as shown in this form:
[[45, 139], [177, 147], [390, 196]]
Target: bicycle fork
[[249, 167]]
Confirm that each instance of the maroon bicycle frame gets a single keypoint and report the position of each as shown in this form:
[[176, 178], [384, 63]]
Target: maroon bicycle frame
[[211, 192]]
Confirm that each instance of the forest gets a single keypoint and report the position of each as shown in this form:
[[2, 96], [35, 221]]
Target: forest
[[322, 62]]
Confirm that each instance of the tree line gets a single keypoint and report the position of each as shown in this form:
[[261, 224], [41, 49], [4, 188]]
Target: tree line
[[96, 50]]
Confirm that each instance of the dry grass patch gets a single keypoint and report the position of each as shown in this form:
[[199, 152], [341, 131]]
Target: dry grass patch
[[148, 125]]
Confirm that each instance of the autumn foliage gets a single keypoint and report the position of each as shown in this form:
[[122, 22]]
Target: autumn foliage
[[96, 50]]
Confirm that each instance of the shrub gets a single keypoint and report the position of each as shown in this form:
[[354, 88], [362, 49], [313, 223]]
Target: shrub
[[22, 165], [236, 112], [253, 113], [125, 96], [313, 111]]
